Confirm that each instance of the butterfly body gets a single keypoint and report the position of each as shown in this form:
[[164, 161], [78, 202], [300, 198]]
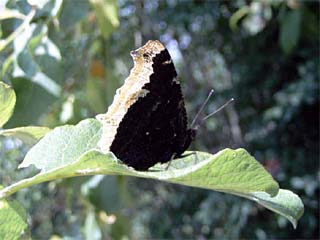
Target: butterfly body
[[146, 123]]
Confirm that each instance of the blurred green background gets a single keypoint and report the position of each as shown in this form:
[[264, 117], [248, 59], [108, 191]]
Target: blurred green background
[[66, 58]]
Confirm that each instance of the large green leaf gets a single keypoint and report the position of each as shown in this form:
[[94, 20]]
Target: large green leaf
[[7, 102], [67, 151]]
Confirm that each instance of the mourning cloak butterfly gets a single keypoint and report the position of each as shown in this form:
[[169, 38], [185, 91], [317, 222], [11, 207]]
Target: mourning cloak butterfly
[[147, 123]]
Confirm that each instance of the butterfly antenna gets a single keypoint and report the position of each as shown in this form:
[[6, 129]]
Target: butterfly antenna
[[201, 108], [220, 108]]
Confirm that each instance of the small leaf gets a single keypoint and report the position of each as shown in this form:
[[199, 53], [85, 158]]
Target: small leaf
[[38, 3], [4, 43], [32, 71], [30, 43], [290, 30], [47, 48], [73, 12], [29, 135], [91, 227], [7, 63], [95, 94], [63, 145], [32, 104], [9, 13], [107, 15], [237, 16], [13, 220], [7, 102]]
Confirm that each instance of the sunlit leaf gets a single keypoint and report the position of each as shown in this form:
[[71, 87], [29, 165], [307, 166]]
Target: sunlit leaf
[[65, 145], [29, 135], [6, 65], [38, 3], [107, 15], [91, 227], [13, 220], [48, 48], [31, 42], [47, 8], [11, 13], [16, 33], [7, 102]]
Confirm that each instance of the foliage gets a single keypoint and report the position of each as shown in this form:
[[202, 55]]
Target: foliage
[[64, 61]]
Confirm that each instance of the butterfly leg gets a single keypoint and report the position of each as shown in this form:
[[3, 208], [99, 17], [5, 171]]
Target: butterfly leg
[[169, 163]]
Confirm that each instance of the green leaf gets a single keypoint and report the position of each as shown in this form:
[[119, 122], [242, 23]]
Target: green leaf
[[47, 8], [237, 16], [73, 12], [95, 94], [38, 3], [29, 135], [91, 227], [285, 203], [32, 103], [13, 220], [67, 151], [107, 15], [290, 30], [65, 145], [13, 36], [7, 102], [28, 45], [9, 13], [7, 63]]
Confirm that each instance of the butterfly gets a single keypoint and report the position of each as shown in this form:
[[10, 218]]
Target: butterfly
[[147, 122]]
